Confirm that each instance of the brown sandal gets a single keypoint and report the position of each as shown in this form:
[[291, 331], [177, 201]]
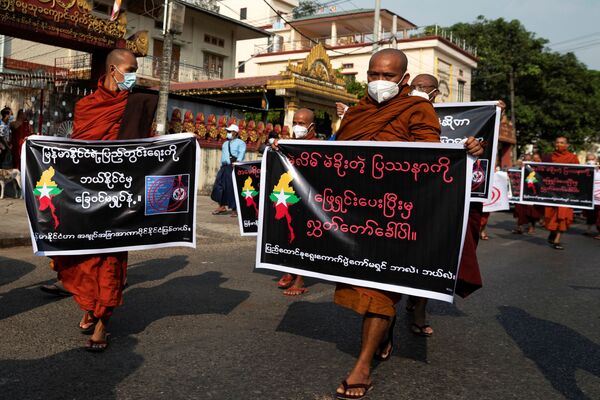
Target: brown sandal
[[343, 396], [89, 323], [295, 291], [96, 346]]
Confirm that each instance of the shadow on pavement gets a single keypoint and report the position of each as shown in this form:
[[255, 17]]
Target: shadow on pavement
[[558, 351], [73, 374], [187, 295], [326, 322], [155, 269], [11, 270]]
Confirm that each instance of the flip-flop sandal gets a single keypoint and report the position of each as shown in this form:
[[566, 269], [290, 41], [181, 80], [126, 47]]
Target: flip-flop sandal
[[516, 231], [343, 396], [88, 330], [295, 291], [219, 212], [96, 346], [420, 330], [286, 281], [389, 342], [557, 246]]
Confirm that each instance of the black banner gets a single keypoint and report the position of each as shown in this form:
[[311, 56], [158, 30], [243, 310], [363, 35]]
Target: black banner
[[567, 185], [87, 197], [514, 182], [384, 215], [246, 183], [481, 120]]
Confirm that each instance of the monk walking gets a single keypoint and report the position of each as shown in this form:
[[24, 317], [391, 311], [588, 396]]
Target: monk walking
[[303, 128], [111, 112], [388, 113], [558, 219]]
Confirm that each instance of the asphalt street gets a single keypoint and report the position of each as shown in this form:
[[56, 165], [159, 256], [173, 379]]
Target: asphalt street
[[203, 324]]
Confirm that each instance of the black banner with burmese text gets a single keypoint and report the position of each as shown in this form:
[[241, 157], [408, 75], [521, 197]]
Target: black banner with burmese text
[[550, 184], [390, 216], [246, 182], [89, 197], [480, 119]]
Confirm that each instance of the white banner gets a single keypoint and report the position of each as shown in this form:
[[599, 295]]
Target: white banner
[[499, 198]]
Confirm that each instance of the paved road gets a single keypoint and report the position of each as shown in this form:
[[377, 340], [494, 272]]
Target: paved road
[[201, 324]]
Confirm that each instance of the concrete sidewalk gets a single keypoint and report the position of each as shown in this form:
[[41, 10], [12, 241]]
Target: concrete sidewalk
[[14, 227]]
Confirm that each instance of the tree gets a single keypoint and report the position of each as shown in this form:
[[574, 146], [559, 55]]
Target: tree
[[306, 8], [555, 94]]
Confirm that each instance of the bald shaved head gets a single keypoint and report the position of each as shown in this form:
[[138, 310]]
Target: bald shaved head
[[304, 118], [388, 65], [306, 115], [118, 63], [425, 81], [392, 56], [119, 56]]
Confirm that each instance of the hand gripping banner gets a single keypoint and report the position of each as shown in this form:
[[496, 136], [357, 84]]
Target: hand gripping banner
[[390, 216], [89, 197]]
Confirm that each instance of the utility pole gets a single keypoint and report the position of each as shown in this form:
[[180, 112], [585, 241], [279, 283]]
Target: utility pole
[[376, 26], [511, 82], [165, 73]]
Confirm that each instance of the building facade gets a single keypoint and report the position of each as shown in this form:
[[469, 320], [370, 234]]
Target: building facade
[[349, 40]]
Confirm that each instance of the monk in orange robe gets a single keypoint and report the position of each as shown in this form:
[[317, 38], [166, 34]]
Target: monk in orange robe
[[96, 281], [388, 113], [558, 219]]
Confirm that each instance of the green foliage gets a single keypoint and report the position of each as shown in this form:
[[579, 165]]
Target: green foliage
[[555, 94], [306, 8], [354, 87]]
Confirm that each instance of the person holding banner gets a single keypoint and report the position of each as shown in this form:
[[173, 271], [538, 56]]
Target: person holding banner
[[558, 219], [303, 127], [593, 216], [528, 214], [387, 113], [233, 149], [97, 280], [426, 86]]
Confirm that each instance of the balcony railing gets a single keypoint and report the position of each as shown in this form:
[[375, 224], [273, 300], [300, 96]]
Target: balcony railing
[[150, 67], [279, 44]]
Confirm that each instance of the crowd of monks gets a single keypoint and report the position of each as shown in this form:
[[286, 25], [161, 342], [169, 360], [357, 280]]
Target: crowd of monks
[[393, 110]]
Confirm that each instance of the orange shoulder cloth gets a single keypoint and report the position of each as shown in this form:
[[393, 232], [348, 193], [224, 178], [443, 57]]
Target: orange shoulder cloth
[[403, 118], [98, 116]]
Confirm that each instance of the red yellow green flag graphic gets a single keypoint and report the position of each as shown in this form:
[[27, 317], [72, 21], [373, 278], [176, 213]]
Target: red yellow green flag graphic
[[531, 181], [45, 190], [284, 196], [248, 192]]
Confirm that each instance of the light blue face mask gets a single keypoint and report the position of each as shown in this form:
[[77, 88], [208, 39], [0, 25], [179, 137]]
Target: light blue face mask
[[128, 82]]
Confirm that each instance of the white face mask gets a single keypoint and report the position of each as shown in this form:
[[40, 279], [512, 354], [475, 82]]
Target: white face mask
[[229, 135], [299, 131], [419, 93], [591, 162], [381, 91], [272, 140]]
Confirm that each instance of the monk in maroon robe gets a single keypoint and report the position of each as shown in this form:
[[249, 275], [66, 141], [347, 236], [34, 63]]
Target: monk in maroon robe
[[558, 219], [388, 113], [96, 281]]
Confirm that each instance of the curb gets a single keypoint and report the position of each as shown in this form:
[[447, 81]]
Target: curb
[[8, 242]]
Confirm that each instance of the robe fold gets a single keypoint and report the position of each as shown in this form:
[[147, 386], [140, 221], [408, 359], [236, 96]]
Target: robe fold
[[96, 281], [560, 218]]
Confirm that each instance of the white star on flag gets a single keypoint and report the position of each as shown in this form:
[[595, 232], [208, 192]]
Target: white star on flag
[[45, 191], [247, 193], [281, 198]]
